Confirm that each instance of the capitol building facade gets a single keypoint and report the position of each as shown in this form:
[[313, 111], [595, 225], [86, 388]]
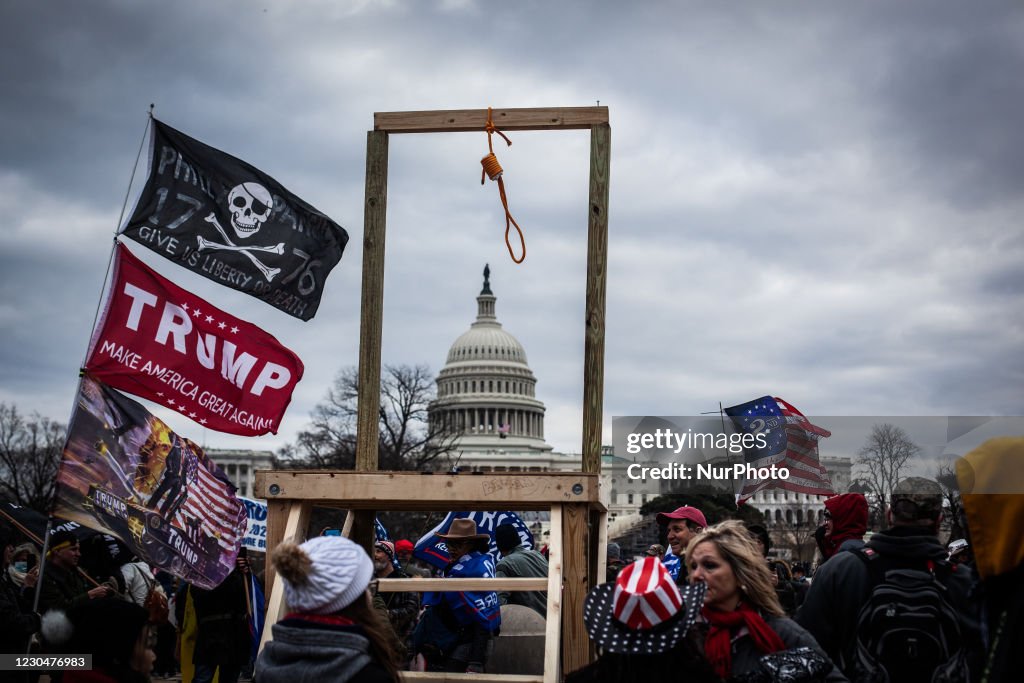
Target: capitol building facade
[[487, 393]]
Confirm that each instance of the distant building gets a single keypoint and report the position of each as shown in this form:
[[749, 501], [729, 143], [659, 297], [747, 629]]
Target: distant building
[[789, 509], [241, 466], [487, 392]]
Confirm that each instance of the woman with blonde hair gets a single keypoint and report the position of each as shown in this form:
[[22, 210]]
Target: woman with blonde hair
[[742, 620], [332, 633]]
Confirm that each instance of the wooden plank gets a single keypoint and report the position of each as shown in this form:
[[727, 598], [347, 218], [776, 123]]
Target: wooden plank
[[598, 554], [431, 677], [597, 272], [496, 584], [294, 529], [601, 524], [575, 641], [277, 517], [470, 120], [552, 633], [416, 491], [372, 310], [346, 526], [363, 529]]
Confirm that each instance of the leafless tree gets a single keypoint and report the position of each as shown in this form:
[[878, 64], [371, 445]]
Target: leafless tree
[[30, 452], [408, 439], [882, 460], [946, 476]]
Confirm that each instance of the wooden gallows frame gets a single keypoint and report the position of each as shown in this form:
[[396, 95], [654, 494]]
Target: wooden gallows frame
[[578, 515]]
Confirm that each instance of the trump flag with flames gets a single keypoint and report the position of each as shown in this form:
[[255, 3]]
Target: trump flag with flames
[[125, 473]]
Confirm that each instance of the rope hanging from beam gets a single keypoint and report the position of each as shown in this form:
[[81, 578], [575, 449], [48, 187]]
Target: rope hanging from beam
[[492, 169]]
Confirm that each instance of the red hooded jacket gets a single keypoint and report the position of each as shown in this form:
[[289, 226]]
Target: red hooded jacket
[[849, 520]]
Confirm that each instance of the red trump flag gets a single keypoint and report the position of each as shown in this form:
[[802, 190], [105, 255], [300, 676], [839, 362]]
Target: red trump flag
[[160, 342]]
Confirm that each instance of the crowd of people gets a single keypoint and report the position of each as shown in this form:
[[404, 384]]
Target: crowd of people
[[715, 605]]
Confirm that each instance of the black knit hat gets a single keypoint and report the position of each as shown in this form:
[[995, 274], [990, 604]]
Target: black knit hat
[[506, 537], [61, 539]]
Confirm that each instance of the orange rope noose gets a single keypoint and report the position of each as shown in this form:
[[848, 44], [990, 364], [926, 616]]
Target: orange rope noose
[[492, 169]]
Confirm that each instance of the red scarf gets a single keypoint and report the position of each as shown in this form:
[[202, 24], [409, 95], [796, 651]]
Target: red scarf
[[718, 646], [326, 619]]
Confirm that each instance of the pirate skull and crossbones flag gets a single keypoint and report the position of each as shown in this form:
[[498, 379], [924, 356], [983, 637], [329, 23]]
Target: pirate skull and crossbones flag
[[228, 221]]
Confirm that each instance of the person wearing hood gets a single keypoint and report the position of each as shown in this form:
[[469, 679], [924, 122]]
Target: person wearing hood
[[991, 482], [846, 522], [24, 560], [332, 633], [17, 620], [844, 584]]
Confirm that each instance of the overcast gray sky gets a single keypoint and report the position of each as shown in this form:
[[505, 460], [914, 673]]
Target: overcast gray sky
[[819, 201]]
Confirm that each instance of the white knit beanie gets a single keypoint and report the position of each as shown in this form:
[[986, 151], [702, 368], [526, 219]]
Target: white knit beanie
[[323, 575]]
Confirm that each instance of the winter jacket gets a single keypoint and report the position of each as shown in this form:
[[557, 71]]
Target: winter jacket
[[523, 563], [61, 588], [309, 652], [137, 581], [402, 608], [746, 656], [223, 623], [995, 509], [849, 523], [843, 585], [17, 620]]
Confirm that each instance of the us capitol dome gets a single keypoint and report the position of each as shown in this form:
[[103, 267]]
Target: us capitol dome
[[487, 391]]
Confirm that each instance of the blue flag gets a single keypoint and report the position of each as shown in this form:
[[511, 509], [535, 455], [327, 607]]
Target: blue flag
[[761, 417], [432, 549], [481, 607], [256, 618], [785, 437], [672, 564]]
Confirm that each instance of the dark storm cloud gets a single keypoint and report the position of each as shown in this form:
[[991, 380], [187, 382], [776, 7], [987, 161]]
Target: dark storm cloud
[[816, 201]]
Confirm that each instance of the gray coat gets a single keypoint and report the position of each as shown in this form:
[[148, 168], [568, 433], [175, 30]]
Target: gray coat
[[521, 563], [307, 654]]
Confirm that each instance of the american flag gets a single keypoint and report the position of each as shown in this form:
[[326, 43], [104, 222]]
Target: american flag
[[210, 500], [792, 442]]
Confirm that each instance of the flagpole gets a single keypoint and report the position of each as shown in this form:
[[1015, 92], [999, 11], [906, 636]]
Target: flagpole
[[728, 457], [99, 304], [117, 228], [135, 167], [42, 564]]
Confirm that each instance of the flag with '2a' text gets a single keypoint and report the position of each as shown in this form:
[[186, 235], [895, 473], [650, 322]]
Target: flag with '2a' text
[[125, 473], [790, 441], [226, 220], [160, 342]]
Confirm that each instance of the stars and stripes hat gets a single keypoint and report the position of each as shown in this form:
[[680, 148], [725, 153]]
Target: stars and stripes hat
[[643, 612]]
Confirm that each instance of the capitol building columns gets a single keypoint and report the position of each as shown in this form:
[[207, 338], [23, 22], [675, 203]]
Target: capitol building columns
[[487, 392]]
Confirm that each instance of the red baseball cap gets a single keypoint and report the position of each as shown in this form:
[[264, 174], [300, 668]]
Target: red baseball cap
[[685, 512], [403, 545]]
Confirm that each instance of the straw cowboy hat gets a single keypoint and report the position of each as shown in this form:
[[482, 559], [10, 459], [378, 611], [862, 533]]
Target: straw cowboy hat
[[463, 530]]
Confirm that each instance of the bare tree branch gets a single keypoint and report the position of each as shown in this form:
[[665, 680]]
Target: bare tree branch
[[408, 439], [30, 453], [882, 460]]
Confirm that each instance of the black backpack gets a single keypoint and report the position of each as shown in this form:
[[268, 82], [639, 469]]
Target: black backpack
[[907, 631]]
